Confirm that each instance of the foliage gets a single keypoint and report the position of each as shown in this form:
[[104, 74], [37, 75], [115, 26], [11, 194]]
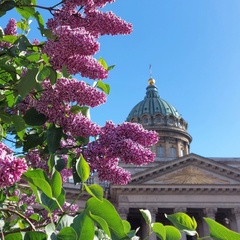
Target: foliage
[[44, 116], [188, 226]]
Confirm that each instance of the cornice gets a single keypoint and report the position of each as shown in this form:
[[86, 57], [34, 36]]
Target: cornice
[[183, 189]]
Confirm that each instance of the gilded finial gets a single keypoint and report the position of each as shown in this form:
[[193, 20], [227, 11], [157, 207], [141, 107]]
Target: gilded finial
[[151, 81]]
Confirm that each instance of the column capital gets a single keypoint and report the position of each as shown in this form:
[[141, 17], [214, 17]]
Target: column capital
[[180, 209], [153, 210], [123, 212], [210, 212], [236, 211]]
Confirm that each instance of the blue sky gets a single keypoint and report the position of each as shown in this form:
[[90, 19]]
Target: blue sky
[[194, 50]]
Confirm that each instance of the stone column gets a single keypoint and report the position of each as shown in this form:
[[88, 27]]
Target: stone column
[[123, 212], [210, 213], [153, 212], [236, 213]]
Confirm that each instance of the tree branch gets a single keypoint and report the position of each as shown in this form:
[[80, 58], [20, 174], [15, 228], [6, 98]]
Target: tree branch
[[32, 227]]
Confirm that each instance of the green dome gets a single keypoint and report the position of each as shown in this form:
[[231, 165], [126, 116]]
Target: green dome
[[154, 110]]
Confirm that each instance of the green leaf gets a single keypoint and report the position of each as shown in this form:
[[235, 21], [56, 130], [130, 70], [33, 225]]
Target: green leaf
[[7, 5], [111, 67], [50, 231], [35, 236], [103, 86], [106, 210], [56, 184], [84, 227], [146, 215], [27, 82], [52, 75], [54, 136], [2, 13], [182, 221], [10, 98], [22, 43], [33, 118], [22, 25], [159, 230], [19, 125], [35, 217], [219, 232], [6, 68], [51, 162], [38, 178], [32, 141], [40, 20], [76, 177], [10, 38], [60, 164], [103, 63], [83, 169], [13, 236], [33, 57], [65, 221], [1, 132], [172, 233], [65, 72], [43, 74], [2, 196], [26, 12], [6, 118], [51, 204], [67, 233], [127, 226], [95, 191], [101, 223]]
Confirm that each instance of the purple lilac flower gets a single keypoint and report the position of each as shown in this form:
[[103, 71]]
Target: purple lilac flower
[[11, 167]]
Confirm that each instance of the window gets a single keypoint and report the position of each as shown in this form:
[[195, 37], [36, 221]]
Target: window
[[172, 152], [181, 152], [160, 151], [158, 119], [145, 120], [170, 121]]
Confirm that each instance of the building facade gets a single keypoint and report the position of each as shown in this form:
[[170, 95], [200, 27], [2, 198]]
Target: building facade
[[177, 181]]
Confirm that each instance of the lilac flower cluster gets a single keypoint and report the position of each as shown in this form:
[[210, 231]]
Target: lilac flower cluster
[[10, 29], [127, 142], [55, 101], [30, 201], [11, 167], [76, 36]]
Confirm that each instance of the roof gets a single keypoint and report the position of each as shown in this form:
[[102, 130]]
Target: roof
[[154, 109]]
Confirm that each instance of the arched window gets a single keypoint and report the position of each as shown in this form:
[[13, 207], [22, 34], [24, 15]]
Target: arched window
[[170, 121], [158, 119], [134, 120], [145, 119]]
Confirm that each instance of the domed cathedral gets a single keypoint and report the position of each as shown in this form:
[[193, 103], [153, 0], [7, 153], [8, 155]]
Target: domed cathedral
[[154, 113], [177, 181]]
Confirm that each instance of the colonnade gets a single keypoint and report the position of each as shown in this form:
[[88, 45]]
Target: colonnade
[[229, 217]]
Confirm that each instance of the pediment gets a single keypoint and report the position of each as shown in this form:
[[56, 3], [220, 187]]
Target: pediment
[[191, 169]]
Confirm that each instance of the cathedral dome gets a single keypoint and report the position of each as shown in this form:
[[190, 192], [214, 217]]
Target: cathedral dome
[[154, 110]]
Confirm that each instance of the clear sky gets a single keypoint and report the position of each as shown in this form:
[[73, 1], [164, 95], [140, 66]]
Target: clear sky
[[194, 50]]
